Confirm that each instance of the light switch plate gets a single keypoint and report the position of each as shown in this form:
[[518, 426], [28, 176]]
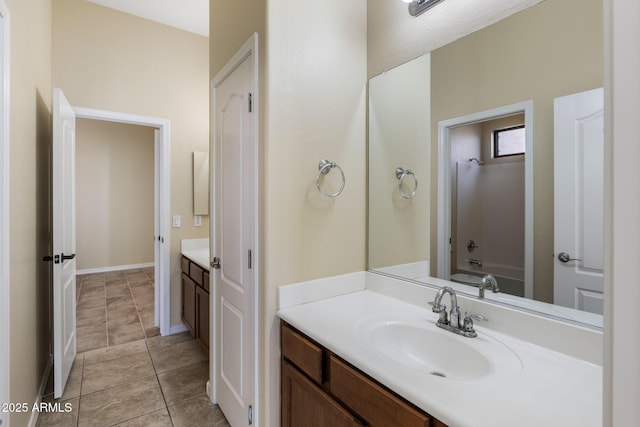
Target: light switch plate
[[176, 221], [197, 220]]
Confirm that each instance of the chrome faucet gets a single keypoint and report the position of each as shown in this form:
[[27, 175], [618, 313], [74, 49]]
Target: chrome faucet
[[452, 322], [488, 282], [438, 307]]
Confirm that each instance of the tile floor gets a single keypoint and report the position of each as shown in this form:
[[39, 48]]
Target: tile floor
[[114, 308], [121, 376]]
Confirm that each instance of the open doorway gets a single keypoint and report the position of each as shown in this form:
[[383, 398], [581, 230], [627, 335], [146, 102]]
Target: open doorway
[[114, 233], [160, 237], [487, 202], [460, 165]]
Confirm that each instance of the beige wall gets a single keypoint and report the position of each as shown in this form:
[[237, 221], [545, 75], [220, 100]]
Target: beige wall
[[114, 194], [316, 104], [545, 60], [395, 37], [399, 135], [231, 24], [30, 205], [109, 60], [312, 91]]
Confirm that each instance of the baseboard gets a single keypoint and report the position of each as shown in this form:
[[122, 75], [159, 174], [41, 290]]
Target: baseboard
[[114, 268], [43, 387], [178, 329], [210, 392]]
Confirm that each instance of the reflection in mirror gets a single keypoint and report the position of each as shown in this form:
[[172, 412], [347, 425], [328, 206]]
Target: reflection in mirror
[[484, 220], [200, 183], [551, 50], [399, 138]]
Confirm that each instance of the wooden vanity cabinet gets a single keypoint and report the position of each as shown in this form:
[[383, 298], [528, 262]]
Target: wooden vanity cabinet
[[189, 303], [306, 404], [320, 389], [202, 317], [195, 301]]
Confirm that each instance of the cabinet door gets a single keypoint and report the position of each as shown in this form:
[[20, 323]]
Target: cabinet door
[[184, 263], [202, 317], [371, 401], [304, 404], [189, 303]]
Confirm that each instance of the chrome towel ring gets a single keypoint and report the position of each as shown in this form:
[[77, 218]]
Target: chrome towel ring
[[324, 168], [400, 175]]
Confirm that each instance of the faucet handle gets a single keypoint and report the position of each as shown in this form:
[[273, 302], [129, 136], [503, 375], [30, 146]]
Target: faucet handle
[[467, 323], [473, 316], [440, 309], [437, 308]]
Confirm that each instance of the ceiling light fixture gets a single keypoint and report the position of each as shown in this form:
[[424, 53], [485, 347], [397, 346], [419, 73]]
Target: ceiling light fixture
[[417, 7]]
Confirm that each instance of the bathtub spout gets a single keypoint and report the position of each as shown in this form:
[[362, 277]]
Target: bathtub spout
[[474, 261]]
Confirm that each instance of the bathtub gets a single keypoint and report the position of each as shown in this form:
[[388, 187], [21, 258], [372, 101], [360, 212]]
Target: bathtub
[[510, 279]]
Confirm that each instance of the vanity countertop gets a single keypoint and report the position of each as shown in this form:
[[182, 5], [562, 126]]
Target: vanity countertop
[[550, 389], [197, 250]]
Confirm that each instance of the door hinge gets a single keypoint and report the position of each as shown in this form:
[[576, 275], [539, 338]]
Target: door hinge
[[250, 414], [250, 258], [250, 102]]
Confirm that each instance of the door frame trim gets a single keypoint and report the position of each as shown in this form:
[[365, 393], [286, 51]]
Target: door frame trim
[[162, 205], [249, 48], [5, 266], [444, 185]]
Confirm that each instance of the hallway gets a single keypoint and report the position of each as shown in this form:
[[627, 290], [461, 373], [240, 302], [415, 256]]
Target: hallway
[[124, 373]]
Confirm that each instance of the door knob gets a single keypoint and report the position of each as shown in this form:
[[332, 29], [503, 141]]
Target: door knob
[[49, 258], [565, 257], [215, 263]]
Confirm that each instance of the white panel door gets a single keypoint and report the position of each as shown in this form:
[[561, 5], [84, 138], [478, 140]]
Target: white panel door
[[64, 240], [579, 201], [234, 240]]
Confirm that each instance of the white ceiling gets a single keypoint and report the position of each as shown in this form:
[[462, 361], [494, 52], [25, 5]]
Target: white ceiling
[[188, 15]]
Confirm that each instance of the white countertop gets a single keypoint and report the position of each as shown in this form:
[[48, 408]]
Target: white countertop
[[197, 250], [551, 388]]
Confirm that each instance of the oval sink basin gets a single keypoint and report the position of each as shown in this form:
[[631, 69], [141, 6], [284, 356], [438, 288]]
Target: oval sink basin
[[417, 344]]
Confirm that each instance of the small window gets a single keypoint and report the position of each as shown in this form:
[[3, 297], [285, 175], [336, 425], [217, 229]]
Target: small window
[[508, 141]]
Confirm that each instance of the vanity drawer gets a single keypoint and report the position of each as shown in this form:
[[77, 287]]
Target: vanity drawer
[[205, 280], [185, 265], [303, 353], [196, 272], [372, 402]]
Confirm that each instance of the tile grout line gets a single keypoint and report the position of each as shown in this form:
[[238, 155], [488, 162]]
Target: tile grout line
[[106, 311], [164, 399], [80, 396], [144, 332]]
